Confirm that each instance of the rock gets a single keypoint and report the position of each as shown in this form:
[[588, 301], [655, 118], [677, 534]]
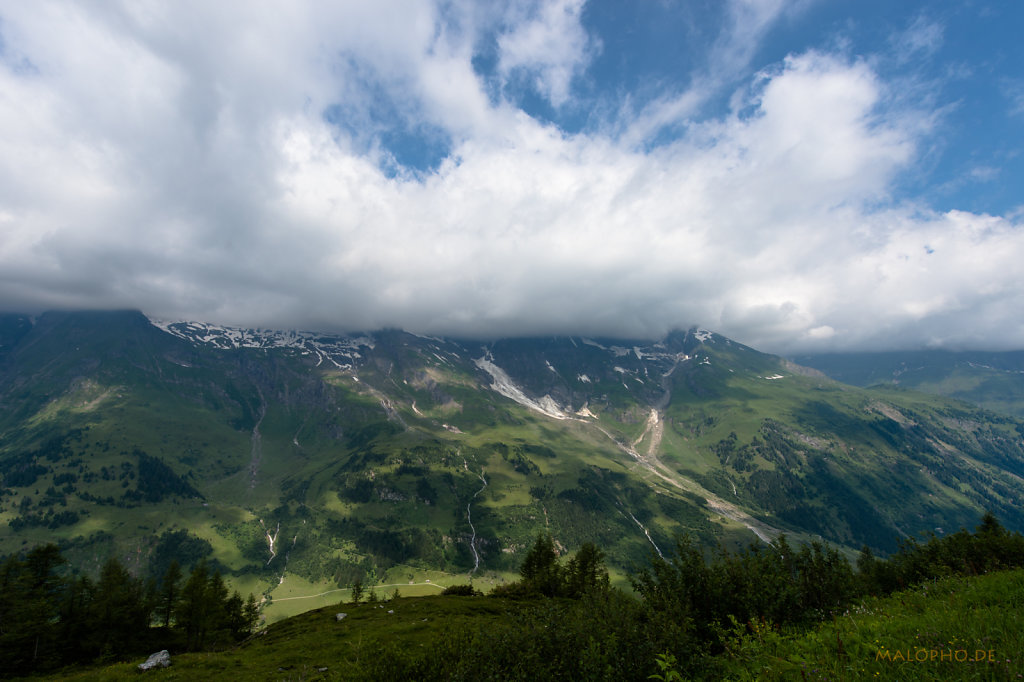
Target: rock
[[340, 616], [160, 659], [391, 611]]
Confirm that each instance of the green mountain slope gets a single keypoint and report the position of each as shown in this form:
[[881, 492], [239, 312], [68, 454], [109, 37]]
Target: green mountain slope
[[302, 462], [992, 380]]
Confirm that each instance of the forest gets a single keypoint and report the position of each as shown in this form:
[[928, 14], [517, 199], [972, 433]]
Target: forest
[[50, 618]]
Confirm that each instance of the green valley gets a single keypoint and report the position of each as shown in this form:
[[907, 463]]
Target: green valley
[[300, 463]]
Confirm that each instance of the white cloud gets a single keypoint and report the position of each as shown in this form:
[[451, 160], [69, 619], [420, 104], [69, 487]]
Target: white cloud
[[1013, 90], [176, 158], [547, 42], [749, 20], [922, 38]]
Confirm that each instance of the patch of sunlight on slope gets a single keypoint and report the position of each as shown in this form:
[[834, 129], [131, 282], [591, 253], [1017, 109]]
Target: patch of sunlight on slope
[[297, 595], [83, 396]]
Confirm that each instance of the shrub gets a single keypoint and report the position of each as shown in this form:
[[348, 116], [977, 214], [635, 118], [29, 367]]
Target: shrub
[[461, 591]]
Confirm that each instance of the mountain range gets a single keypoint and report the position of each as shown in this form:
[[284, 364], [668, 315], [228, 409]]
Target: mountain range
[[300, 462], [994, 380]]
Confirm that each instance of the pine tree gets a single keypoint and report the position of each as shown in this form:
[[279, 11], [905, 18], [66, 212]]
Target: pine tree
[[75, 628], [119, 614], [30, 591], [220, 611], [170, 589], [235, 609], [193, 611], [585, 572], [250, 616], [540, 570], [357, 591]]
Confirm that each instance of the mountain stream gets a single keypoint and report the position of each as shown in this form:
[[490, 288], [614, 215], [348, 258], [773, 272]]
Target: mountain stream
[[469, 518]]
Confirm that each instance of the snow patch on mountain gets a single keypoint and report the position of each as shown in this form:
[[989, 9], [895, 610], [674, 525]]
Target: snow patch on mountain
[[341, 351], [503, 384]]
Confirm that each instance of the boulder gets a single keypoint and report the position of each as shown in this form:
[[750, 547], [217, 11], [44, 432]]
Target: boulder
[[340, 616], [160, 659]]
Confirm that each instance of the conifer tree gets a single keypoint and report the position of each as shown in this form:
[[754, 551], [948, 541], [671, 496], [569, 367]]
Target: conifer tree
[[357, 591], [234, 609], [119, 614], [193, 610], [170, 588], [75, 628], [219, 611], [250, 616], [30, 594], [585, 572], [540, 570]]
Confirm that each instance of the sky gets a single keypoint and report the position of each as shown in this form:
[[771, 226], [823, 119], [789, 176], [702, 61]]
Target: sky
[[801, 176]]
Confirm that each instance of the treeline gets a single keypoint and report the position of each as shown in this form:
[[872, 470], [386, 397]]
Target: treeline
[[561, 620], [573, 625], [49, 620]]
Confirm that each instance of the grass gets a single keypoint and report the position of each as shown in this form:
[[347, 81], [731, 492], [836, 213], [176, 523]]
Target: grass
[[953, 629], [316, 646]]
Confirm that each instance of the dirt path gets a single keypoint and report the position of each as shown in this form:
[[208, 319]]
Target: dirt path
[[349, 589]]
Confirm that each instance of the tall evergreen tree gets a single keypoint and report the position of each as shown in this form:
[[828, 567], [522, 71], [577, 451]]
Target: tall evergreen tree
[[219, 613], [31, 591], [193, 612], [170, 589], [75, 629], [357, 591], [585, 572], [119, 614], [540, 570], [250, 616]]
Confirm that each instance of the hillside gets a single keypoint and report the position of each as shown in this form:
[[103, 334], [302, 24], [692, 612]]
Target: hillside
[[301, 462], [954, 629], [993, 380], [973, 626]]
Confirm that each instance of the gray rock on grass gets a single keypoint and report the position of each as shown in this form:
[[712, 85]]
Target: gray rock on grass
[[160, 659]]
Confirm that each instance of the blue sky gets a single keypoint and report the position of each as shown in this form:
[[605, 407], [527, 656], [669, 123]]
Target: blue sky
[[800, 176]]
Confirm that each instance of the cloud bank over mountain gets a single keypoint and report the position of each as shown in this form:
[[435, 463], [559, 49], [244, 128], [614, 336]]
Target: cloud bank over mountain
[[791, 175]]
